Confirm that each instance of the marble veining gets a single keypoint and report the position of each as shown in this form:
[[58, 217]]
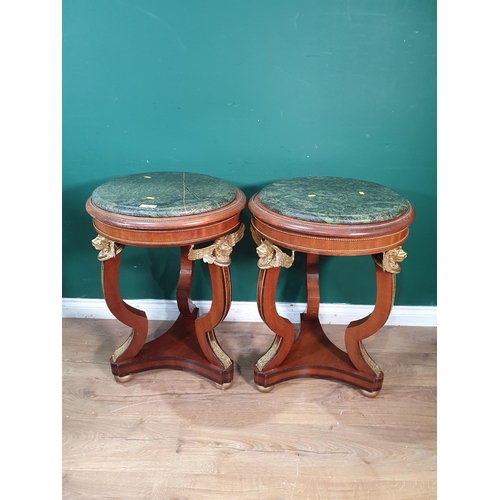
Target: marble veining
[[333, 200], [163, 194]]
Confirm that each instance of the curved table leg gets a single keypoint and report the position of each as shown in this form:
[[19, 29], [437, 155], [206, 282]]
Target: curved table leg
[[282, 327], [363, 328], [205, 325], [125, 313], [110, 257], [184, 285]]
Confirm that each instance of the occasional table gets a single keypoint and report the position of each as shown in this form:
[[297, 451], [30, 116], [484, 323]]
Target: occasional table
[[165, 209], [330, 216]]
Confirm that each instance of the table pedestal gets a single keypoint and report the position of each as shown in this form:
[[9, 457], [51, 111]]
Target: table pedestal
[[190, 344], [312, 354]]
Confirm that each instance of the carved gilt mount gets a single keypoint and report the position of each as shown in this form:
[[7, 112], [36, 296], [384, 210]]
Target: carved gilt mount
[[107, 249], [390, 259], [270, 255], [369, 361], [219, 252], [118, 352]]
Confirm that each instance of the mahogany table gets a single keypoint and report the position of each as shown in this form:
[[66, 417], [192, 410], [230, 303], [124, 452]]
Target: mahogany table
[[325, 216], [164, 209]]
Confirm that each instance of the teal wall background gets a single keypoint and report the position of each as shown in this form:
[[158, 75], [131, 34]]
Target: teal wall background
[[251, 92]]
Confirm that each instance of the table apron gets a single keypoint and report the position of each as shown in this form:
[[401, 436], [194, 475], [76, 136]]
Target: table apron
[[330, 246], [167, 238]]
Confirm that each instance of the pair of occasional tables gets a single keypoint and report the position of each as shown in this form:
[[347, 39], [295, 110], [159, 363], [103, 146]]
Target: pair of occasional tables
[[201, 214]]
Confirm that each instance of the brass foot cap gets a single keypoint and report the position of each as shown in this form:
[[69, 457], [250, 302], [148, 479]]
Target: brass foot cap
[[369, 394], [261, 388], [223, 387], [124, 378]]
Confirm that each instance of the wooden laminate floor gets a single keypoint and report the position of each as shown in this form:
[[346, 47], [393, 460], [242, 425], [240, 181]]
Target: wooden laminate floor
[[172, 435]]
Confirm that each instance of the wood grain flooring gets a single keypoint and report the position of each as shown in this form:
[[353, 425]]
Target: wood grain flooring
[[172, 435]]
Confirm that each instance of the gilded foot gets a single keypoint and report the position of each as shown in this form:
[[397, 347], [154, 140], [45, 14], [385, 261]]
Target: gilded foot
[[261, 388], [223, 387], [369, 394], [123, 379]]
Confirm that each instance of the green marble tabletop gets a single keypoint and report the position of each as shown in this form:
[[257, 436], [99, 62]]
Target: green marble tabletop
[[334, 200], [163, 194]]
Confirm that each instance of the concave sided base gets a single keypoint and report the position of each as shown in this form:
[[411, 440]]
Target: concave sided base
[[177, 349], [314, 355]]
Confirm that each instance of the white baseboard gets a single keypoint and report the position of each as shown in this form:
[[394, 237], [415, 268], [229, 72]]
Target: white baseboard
[[336, 314]]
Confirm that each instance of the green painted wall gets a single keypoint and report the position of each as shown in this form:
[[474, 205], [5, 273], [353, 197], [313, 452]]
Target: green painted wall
[[250, 91]]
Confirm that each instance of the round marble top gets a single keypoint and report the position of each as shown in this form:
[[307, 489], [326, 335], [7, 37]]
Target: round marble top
[[163, 194], [334, 200]]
